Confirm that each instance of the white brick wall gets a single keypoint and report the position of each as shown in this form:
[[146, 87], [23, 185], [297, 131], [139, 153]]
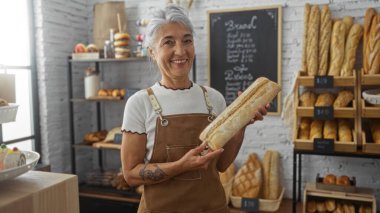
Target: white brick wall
[[61, 25]]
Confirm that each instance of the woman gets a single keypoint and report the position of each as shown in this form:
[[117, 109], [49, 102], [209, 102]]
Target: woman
[[161, 126]]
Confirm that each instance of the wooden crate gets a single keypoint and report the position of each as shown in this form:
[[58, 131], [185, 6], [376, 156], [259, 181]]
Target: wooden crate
[[339, 81], [363, 196], [369, 111], [369, 79], [341, 112], [370, 147]]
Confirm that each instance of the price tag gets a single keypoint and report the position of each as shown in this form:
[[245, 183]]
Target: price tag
[[117, 138], [250, 204], [324, 146], [324, 113], [324, 81]]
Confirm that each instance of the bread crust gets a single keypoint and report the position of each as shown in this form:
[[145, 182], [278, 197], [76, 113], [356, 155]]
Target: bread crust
[[374, 46], [352, 43], [370, 13], [271, 186], [305, 29], [324, 40], [312, 41], [337, 48]]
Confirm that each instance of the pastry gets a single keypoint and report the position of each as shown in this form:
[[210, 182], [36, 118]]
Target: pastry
[[11, 158], [343, 180], [330, 205], [352, 43], [375, 131], [312, 41], [311, 206], [307, 99], [316, 129], [304, 129], [330, 130], [325, 99], [329, 179], [3, 102], [337, 48], [228, 174], [271, 186], [344, 98], [248, 180], [344, 130], [324, 40], [374, 47], [304, 43], [239, 112], [370, 13], [102, 92]]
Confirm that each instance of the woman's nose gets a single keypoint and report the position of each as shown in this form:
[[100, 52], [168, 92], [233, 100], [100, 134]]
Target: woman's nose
[[180, 49]]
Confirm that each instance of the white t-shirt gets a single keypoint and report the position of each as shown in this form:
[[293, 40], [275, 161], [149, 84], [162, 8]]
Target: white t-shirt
[[140, 118]]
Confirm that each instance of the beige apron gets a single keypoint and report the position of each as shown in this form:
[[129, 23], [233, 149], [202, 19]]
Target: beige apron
[[194, 191]]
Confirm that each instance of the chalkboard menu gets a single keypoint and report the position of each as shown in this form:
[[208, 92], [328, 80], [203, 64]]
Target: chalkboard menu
[[244, 44]]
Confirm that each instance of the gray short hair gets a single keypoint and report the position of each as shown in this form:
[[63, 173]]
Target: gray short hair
[[171, 14]]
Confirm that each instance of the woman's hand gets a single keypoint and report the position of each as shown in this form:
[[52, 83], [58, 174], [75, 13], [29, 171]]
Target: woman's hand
[[259, 115], [198, 158]]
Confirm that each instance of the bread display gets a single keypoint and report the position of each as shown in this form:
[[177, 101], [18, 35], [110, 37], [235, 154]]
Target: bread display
[[121, 45], [337, 46], [352, 43], [320, 206], [305, 26], [117, 93], [239, 112], [330, 130], [325, 99], [271, 183], [304, 129], [93, 137], [375, 131], [316, 129], [228, 174], [343, 180], [307, 99], [248, 180], [339, 208], [370, 13], [344, 130], [313, 41], [365, 209], [330, 205], [373, 45], [344, 98], [324, 40], [329, 179], [348, 208]]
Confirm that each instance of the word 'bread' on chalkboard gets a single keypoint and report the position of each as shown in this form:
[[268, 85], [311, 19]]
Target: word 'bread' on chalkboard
[[245, 44]]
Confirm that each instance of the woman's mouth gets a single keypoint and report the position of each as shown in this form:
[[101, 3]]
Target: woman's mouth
[[179, 61]]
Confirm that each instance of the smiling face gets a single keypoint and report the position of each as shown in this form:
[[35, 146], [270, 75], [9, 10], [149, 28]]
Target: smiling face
[[173, 52]]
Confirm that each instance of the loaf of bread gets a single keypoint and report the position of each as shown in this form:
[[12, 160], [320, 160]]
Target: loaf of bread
[[312, 41], [337, 48], [271, 166], [343, 180], [344, 130], [374, 47], [316, 128], [352, 43], [330, 129], [348, 208], [325, 99], [370, 13], [329, 179], [304, 129], [330, 205], [248, 180], [348, 22], [311, 206], [365, 209], [307, 99], [228, 174], [344, 98], [324, 40], [375, 131], [339, 208], [239, 112], [3, 102], [321, 206], [306, 15]]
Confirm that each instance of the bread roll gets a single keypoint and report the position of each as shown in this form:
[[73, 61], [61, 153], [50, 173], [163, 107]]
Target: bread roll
[[375, 131], [348, 22], [3, 102], [329, 179], [248, 180], [374, 47], [344, 98], [271, 186], [304, 42], [330, 205], [344, 130], [239, 112], [316, 129], [228, 174], [352, 43], [311, 206], [339, 208], [343, 180], [370, 13], [304, 129], [330, 129], [337, 48], [321, 206], [312, 41], [307, 99], [325, 99], [324, 40]]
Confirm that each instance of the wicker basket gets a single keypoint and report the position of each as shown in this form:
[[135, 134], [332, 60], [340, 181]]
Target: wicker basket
[[265, 205], [8, 113]]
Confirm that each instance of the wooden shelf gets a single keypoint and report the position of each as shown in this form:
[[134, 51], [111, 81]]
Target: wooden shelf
[[343, 112], [339, 81], [98, 145], [109, 193], [109, 59], [286, 206], [367, 80], [370, 111]]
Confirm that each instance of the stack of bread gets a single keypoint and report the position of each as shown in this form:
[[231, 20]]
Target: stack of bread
[[310, 99], [121, 45], [338, 129], [371, 42], [329, 48], [335, 206]]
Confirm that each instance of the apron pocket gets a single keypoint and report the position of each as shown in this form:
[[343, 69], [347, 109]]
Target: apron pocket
[[176, 152]]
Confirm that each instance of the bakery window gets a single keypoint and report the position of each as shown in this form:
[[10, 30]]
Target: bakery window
[[17, 60]]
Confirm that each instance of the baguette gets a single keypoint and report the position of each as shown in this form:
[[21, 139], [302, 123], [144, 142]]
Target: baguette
[[374, 47], [304, 129], [271, 186], [348, 22], [352, 43], [239, 112], [330, 130], [312, 41], [344, 98], [370, 13], [344, 130], [316, 129], [324, 40], [305, 27], [337, 48]]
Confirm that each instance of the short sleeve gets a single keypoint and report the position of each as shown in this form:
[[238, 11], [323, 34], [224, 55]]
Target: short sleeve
[[134, 114], [217, 99]]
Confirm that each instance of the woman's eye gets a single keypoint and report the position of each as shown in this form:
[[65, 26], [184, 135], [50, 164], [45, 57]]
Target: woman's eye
[[188, 41], [169, 42]]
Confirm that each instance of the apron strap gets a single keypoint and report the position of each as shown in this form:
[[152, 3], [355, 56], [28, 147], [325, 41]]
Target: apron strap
[[156, 106], [212, 115]]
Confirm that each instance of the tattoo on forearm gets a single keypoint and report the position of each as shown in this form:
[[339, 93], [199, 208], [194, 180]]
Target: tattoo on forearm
[[156, 175]]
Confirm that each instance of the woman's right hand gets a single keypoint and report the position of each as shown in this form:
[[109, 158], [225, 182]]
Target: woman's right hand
[[195, 159]]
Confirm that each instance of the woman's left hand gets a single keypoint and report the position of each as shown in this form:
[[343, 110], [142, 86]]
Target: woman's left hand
[[259, 115]]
